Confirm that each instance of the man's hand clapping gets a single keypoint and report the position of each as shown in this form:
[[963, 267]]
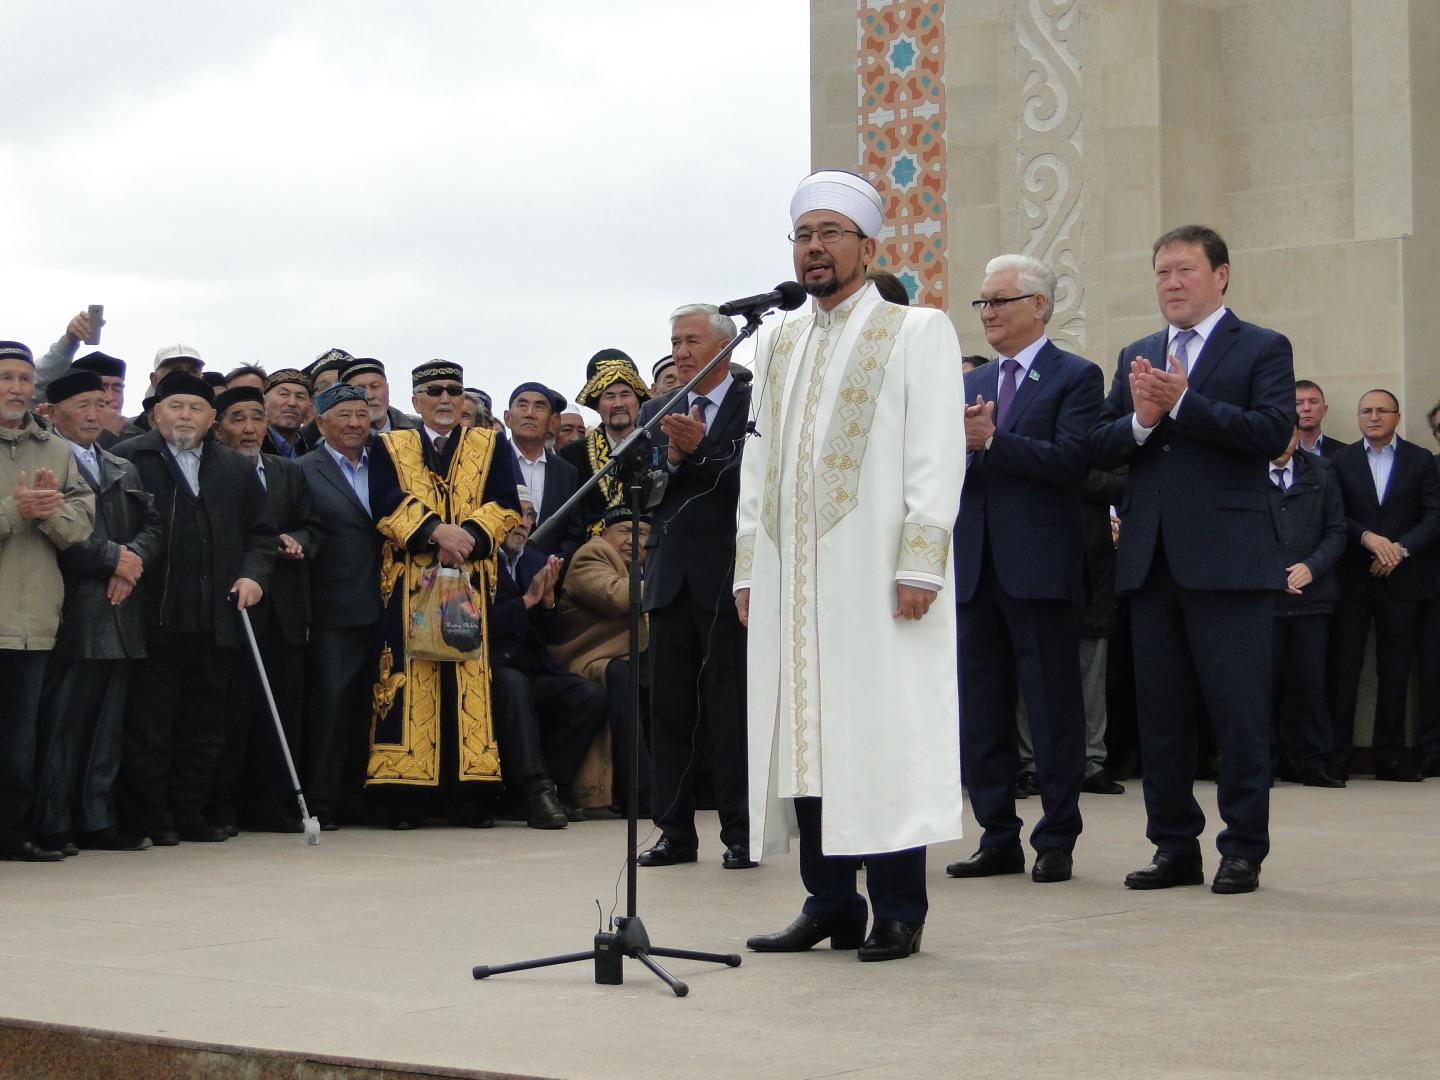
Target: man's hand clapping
[[40, 502], [979, 423]]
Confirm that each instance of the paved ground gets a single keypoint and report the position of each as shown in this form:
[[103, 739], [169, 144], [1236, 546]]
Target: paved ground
[[363, 947]]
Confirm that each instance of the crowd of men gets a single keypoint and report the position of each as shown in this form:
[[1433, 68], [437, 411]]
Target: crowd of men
[[1118, 560]]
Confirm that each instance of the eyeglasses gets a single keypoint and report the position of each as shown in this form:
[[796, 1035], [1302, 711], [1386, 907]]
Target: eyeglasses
[[999, 301], [435, 391], [1377, 411], [830, 234]]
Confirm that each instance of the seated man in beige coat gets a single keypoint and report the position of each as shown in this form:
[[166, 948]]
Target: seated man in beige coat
[[594, 610]]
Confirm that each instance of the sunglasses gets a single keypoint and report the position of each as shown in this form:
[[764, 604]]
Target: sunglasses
[[451, 389]]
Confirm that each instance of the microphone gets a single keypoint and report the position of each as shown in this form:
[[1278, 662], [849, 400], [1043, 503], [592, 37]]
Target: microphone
[[787, 296]]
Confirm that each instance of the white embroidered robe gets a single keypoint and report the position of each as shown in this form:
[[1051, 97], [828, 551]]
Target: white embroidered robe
[[855, 484]]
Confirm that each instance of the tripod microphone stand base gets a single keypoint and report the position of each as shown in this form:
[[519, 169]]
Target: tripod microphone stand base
[[611, 949]]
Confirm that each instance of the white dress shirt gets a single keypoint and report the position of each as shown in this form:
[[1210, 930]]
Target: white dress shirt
[[87, 457], [1287, 471], [357, 476], [1381, 463], [188, 462], [532, 474], [715, 397], [1193, 350]]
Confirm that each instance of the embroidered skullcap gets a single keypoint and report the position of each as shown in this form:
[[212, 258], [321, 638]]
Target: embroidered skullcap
[[483, 396], [557, 401], [234, 396], [334, 394], [661, 365], [182, 382], [329, 360], [616, 514], [843, 192], [364, 365], [434, 371], [605, 373], [523, 494], [101, 364], [168, 354], [70, 384], [606, 354], [14, 350], [213, 379], [286, 375]]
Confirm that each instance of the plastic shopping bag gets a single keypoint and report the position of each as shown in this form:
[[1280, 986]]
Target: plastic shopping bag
[[444, 617]]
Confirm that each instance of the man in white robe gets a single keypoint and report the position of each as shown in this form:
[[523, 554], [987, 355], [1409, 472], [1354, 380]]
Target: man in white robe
[[843, 543]]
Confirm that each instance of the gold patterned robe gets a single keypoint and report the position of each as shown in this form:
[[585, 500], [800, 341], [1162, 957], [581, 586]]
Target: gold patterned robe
[[431, 724]]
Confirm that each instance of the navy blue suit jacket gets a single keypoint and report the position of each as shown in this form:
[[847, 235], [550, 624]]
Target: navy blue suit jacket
[[1410, 516], [1200, 483], [1024, 492]]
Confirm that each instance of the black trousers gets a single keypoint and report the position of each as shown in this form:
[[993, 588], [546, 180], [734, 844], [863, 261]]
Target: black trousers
[[1303, 732], [698, 718], [83, 710], [1397, 625], [251, 779], [544, 723], [998, 634], [339, 675], [1199, 650], [1428, 727], [174, 732], [22, 674], [617, 710], [895, 880]]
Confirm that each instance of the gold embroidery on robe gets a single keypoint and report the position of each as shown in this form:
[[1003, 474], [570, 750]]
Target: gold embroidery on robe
[[924, 549], [780, 357]]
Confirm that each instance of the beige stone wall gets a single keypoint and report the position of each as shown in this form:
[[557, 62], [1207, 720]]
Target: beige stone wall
[[1304, 130]]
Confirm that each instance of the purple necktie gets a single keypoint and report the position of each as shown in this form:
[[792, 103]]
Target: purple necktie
[[1006, 392]]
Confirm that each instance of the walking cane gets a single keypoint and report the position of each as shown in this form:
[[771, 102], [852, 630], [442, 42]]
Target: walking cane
[[312, 824]]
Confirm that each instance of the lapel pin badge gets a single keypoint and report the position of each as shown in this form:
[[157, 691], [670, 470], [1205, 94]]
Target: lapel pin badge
[[1034, 375]]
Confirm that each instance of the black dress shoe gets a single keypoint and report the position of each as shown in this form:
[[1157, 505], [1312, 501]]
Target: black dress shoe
[[1316, 776], [805, 933], [165, 838], [29, 851], [891, 939], [1101, 784], [990, 861], [1026, 784], [112, 839], [332, 824], [1402, 771], [737, 857], [665, 853], [203, 834], [1051, 864], [61, 842], [1167, 871], [1236, 875], [545, 809]]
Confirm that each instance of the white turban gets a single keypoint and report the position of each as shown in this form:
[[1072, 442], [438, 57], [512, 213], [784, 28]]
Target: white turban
[[843, 192]]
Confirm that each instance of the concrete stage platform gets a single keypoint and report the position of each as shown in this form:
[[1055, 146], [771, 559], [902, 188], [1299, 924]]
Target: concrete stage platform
[[361, 949]]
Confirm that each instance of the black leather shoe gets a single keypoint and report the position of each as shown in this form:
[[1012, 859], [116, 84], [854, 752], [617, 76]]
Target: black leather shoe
[[203, 834], [665, 853], [1167, 871], [805, 933], [29, 851], [165, 838], [112, 839], [1316, 776], [545, 809], [737, 857], [61, 842], [1101, 784], [990, 861], [1026, 784], [1430, 766], [891, 939], [1236, 875], [1402, 771], [1051, 864]]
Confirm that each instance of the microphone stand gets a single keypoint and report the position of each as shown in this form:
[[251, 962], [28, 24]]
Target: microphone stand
[[628, 937]]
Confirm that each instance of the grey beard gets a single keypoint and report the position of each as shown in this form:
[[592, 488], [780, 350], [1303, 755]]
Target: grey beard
[[184, 442], [252, 455]]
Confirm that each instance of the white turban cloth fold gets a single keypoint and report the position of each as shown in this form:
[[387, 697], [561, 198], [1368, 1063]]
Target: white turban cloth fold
[[843, 192]]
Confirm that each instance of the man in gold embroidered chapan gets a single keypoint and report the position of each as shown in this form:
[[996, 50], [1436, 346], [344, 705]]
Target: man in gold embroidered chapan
[[613, 388], [437, 498], [843, 537]]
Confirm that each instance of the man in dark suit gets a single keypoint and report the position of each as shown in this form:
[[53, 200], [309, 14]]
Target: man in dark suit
[[697, 643], [548, 477], [1018, 572], [545, 716], [1392, 519], [252, 785], [1309, 518], [1198, 411], [1310, 408], [218, 555], [344, 607]]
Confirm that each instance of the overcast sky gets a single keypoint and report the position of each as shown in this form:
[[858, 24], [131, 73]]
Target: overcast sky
[[507, 185]]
